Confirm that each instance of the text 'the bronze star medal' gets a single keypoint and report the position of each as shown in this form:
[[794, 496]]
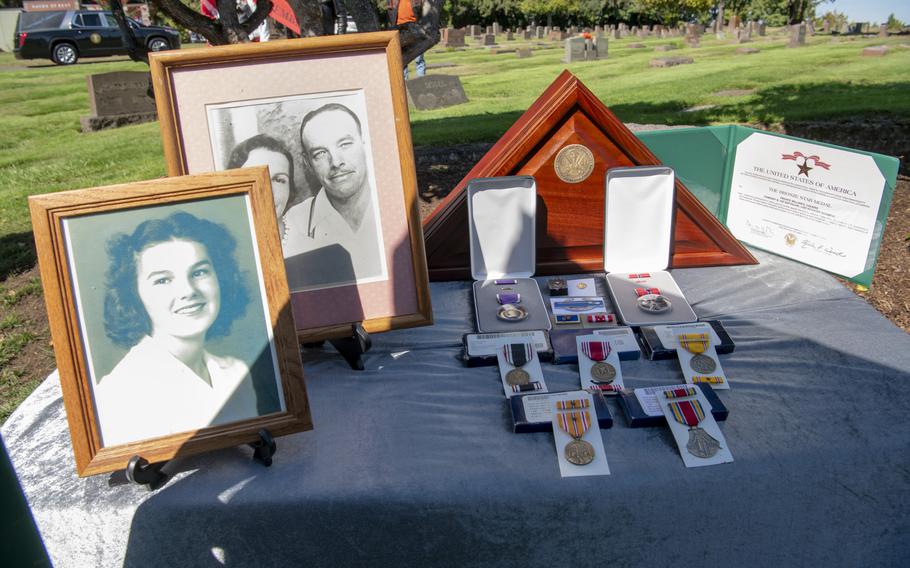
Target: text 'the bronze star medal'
[[574, 163]]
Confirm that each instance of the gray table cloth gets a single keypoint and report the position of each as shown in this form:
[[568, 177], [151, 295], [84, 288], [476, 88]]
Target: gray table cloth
[[413, 461]]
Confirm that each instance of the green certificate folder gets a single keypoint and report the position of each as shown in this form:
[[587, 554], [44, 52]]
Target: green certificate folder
[[705, 160]]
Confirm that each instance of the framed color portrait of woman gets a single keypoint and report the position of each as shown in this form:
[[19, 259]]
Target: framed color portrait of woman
[[170, 316], [329, 117]]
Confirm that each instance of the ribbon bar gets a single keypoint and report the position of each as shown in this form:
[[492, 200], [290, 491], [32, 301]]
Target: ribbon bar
[[572, 404], [679, 393], [645, 291], [694, 342], [596, 350], [640, 275], [535, 386], [508, 298], [518, 354], [504, 281], [714, 380]]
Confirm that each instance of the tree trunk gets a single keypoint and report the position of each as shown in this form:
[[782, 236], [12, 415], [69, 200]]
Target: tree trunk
[[137, 52], [364, 15], [418, 37], [226, 29]]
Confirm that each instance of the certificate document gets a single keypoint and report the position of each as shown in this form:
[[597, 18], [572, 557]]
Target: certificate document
[[811, 203]]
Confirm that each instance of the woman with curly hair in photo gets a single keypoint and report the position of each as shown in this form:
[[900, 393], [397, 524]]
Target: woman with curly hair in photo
[[172, 285]]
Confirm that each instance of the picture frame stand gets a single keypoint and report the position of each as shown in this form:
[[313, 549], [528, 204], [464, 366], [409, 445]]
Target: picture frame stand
[[353, 347], [141, 472], [264, 448]]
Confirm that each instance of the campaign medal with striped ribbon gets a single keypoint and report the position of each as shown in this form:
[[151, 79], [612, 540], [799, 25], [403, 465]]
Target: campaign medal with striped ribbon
[[697, 344], [598, 351], [690, 413], [575, 424], [518, 355]]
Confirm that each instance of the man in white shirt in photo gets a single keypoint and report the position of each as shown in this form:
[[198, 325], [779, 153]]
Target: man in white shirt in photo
[[336, 229]]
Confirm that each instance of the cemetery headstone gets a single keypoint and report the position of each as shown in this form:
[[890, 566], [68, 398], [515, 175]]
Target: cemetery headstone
[[826, 26], [496, 28], [526, 35], [474, 31], [489, 39], [452, 38], [117, 99], [671, 61], [636, 46], [797, 35], [883, 29], [876, 51], [666, 47], [540, 33], [762, 29], [489, 29], [524, 52], [435, 91], [509, 36], [746, 50], [574, 50]]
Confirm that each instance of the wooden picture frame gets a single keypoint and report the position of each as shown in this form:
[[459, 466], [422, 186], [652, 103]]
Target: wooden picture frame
[[216, 104], [133, 273]]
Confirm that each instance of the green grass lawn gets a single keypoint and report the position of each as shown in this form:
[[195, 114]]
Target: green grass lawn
[[43, 150]]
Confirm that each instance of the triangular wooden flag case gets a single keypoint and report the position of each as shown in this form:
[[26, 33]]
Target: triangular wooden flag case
[[570, 215]]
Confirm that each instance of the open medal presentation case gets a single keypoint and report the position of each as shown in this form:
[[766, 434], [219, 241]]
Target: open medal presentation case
[[639, 217], [502, 227]]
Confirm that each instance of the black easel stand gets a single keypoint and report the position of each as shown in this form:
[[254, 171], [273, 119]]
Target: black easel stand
[[352, 348], [265, 448], [141, 472]]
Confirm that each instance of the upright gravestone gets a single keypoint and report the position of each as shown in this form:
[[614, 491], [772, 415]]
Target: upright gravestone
[[762, 29], [489, 29], [575, 50], [617, 33], [489, 39], [523, 52], [810, 28], [526, 35], [719, 22], [557, 35], [474, 31], [826, 26], [509, 36], [452, 38], [601, 47], [883, 30], [797, 35], [497, 29], [435, 91], [117, 99]]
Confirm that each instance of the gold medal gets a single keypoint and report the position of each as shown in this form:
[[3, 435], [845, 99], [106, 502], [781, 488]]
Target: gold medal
[[574, 163], [603, 373], [697, 344], [575, 424], [579, 452], [518, 377]]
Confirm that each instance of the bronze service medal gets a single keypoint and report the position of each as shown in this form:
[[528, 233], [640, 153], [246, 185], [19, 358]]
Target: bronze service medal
[[518, 355], [690, 413], [697, 344], [575, 424], [598, 351]]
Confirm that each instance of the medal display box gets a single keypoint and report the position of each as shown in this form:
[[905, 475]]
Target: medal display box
[[657, 343], [480, 349], [502, 215], [637, 417], [533, 412], [566, 351], [639, 219]]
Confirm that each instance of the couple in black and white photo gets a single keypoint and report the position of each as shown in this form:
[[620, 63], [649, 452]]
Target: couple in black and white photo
[[331, 237]]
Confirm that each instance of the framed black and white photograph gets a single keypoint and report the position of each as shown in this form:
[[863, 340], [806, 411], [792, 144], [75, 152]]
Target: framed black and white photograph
[[176, 331], [329, 117], [316, 146]]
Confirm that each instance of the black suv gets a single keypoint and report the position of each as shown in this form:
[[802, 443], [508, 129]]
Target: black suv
[[64, 37]]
